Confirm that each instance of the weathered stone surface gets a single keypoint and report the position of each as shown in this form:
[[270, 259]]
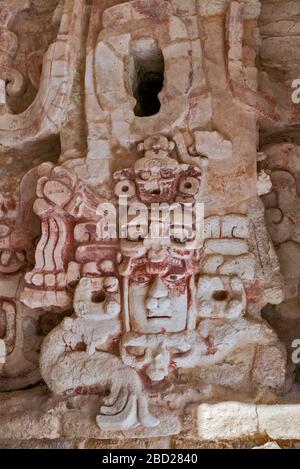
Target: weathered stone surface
[[279, 52], [270, 445], [161, 443], [279, 422], [213, 145], [59, 443], [226, 421], [232, 420], [216, 7]]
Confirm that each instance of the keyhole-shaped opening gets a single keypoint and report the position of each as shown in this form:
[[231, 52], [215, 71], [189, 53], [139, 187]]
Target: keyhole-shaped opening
[[146, 75]]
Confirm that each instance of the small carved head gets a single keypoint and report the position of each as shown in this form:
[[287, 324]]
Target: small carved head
[[157, 177], [221, 297], [99, 297], [157, 355], [156, 173]]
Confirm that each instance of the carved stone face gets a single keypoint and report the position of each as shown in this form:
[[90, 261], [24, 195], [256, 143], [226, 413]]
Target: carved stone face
[[157, 179], [158, 354], [156, 173], [150, 353], [221, 297], [158, 296], [99, 297]]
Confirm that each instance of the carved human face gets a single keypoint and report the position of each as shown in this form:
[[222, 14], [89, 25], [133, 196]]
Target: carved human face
[[148, 353], [156, 175], [158, 297], [157, 354], [156, 184]]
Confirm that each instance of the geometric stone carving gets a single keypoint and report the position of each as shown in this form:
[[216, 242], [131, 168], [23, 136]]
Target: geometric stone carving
[[281, 210]]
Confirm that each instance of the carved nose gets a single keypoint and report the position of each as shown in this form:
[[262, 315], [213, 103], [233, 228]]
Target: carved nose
[[152, 303], [158, 297], [158, 305], [158, 290], [159, 367], [153, 184]]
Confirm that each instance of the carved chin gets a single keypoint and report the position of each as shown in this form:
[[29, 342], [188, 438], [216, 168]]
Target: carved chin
[[162, 193], [156, 375]]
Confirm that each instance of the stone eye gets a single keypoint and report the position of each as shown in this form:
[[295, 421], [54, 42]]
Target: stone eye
[[174, 277], [142, 279], [166, 173], [180, 238], [145, 175]]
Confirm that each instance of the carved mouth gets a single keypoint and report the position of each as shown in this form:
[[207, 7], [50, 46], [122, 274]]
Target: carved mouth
[[155, 194], [156, 315]]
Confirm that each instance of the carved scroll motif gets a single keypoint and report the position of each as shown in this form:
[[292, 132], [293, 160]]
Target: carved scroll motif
[[57, 205]]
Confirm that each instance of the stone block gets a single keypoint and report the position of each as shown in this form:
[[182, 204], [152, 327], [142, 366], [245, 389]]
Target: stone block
[[226, 421], [280, 422]]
